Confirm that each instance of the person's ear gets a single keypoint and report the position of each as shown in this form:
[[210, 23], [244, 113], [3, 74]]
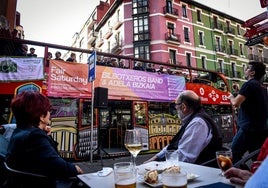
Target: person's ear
[[42, 118], [183, 107]]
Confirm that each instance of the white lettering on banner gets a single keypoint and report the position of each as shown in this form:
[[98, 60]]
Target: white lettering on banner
[[124, 77], [155, 80], [57, 74], [118, 83], [126, 80], [143, 85], [57, 70]]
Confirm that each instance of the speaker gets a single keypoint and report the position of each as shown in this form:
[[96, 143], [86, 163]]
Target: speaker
[[100, 97]]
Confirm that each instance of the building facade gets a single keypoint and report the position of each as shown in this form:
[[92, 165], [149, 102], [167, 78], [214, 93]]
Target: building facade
[[178, 32]]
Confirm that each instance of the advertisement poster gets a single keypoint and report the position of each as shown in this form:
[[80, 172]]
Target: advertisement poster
[[71, 80]]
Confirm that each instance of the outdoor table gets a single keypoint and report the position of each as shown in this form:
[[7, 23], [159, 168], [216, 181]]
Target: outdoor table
[[207, 175]]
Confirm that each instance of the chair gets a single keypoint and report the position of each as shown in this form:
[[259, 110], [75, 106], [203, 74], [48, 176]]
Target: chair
[[23, 179], [246, 161], [3, 151]]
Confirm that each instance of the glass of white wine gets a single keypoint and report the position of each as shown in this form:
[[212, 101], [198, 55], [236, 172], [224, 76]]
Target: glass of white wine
[[133, 142]]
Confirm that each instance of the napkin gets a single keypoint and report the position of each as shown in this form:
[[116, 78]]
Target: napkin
[[217, 185], [105, 171]]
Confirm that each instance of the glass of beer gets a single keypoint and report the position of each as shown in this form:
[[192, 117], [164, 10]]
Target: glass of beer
[[124, 175], [224, 160], [174, 179]]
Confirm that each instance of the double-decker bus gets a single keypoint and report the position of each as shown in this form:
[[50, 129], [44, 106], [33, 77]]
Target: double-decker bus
[[125, 98]]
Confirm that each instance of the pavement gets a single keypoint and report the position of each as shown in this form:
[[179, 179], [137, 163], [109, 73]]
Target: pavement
[[97, 165]]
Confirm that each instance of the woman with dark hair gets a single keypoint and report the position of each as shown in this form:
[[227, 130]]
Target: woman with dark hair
[[30, 148]]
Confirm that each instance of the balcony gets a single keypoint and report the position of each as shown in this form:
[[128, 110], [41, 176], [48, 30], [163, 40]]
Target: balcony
[[107, 32], [229, 31], [171, 12], [91, 23], [116, 23], [220, 49], [217, 27], [99, 43], [232, 52], [116, 47], [223, 71], [91, 36], [236, 74], [254, 57], [173, 38]]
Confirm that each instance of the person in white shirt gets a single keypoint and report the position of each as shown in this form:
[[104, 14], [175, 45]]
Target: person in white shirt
[[198, 138]]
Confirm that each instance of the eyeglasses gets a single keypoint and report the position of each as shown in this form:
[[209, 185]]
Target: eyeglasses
[[178, 104]]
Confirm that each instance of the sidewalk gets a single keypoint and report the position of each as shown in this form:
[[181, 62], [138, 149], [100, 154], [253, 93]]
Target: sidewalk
[[95, 166]]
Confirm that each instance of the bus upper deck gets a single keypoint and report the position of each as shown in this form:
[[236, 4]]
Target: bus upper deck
[[139, 99]]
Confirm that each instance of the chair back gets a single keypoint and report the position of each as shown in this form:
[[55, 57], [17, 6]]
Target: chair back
[[246, 162], [23, 179], [3, 152]]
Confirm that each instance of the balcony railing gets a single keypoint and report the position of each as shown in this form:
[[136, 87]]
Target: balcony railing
[[236, 74], [116, 47], [217, 26], [220, 48], [117, 22], [171, 12], [232, 51], [254, 57], [224, 71], [229, 30], [91, 23], [107, 32], [99, 42], [91, 36], [173, 38]]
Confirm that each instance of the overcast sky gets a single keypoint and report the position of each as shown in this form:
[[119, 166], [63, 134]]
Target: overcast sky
[[56, 21]]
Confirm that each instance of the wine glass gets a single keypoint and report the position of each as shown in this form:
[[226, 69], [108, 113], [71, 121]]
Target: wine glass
[[133, 142], [224, 160]]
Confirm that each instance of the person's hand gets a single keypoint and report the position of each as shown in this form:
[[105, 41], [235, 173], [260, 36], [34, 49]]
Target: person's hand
[[230, 96], [151, 159], [237, 176], [79, 170], [48, 129]]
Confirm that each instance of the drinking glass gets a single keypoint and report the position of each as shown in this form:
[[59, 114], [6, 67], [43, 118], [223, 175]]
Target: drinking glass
[[124, 175], [133, 142], [172, 157], [174, 179], [224, 160]]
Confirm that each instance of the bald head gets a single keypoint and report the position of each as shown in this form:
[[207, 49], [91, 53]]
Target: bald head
[[190, 99], [190, 94]]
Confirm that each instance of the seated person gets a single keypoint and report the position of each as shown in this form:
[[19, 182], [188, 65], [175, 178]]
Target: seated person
[[198, 138], [258, 179], [239, 176], [30, 148]]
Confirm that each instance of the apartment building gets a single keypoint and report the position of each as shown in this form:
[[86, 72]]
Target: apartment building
[[181, 32]]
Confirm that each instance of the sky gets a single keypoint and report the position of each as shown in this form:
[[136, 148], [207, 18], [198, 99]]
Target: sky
[[56, 21]]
